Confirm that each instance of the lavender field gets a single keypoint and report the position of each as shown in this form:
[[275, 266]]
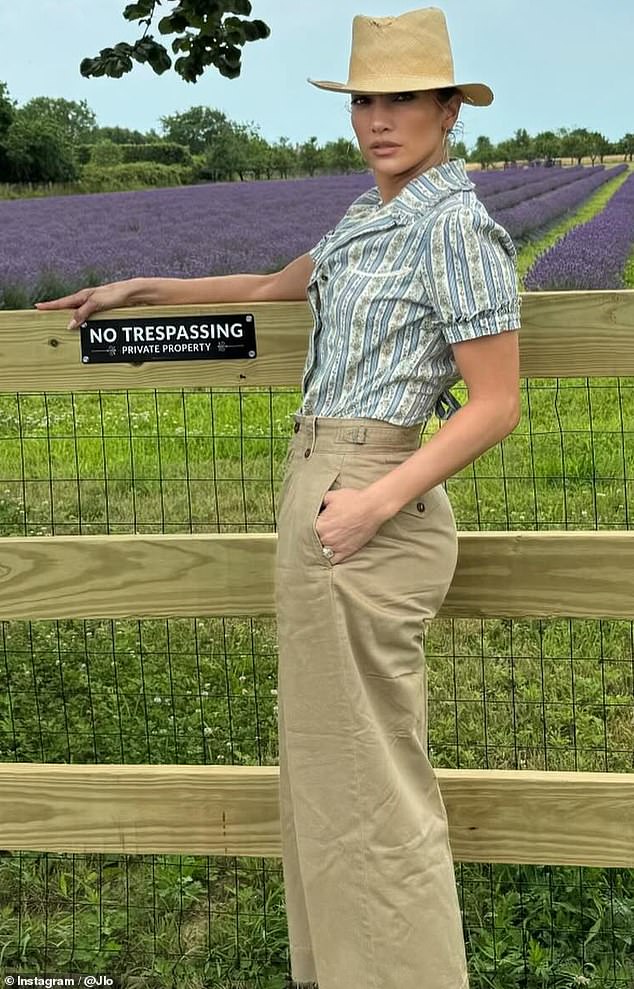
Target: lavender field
[[230, 227], [186, 232], [529, 208], [594, 254]]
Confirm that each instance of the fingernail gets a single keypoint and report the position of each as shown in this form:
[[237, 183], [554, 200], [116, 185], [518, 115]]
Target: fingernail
[[71, 324]]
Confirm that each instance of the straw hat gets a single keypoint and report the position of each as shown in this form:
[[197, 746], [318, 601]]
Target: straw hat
[[399, 54]]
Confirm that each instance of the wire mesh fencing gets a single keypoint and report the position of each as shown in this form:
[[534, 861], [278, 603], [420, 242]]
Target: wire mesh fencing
[[503, 693]]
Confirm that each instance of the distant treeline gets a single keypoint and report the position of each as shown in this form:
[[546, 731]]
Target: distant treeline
[[58, 141]]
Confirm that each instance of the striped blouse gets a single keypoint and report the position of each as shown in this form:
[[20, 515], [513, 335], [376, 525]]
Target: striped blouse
[[393, 287]]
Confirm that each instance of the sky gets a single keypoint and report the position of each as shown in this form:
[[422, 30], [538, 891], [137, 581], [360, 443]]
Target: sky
[[550, 64]]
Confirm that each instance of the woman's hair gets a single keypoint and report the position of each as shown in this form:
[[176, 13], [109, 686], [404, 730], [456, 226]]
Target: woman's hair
[[443, 96]]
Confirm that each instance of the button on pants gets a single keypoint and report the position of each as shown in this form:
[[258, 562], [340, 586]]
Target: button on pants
[[371, 897]]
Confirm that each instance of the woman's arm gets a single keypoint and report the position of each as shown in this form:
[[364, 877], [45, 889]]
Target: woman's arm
[[490, 369], [289, 284]]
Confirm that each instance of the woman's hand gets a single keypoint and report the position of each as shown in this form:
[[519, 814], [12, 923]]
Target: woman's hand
[[346, 523], [87, 301]]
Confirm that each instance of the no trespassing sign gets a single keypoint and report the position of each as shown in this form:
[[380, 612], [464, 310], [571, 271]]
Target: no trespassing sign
[[171, 338]]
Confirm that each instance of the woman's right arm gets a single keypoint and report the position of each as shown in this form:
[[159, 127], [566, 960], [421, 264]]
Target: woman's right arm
[[278, 286], [289, 284]]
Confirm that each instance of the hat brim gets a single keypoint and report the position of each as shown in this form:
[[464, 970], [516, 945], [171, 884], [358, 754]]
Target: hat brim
[[474, 93]]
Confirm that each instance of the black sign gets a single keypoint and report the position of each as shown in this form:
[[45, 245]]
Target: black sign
[[168, 338]]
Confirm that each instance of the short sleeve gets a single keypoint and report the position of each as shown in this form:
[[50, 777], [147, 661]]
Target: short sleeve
[[470, 275]]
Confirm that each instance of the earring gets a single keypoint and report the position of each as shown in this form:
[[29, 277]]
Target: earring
[[445, 149]]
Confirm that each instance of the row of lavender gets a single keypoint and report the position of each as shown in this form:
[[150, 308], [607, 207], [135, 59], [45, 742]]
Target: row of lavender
[[534, 214], [503, 190], [232, 227], [592, 255], [493, 181]]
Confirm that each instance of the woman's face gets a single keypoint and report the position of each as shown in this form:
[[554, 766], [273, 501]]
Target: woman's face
[[412, 120]]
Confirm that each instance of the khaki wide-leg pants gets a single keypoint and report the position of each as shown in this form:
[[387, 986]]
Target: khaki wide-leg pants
[[371, 898]]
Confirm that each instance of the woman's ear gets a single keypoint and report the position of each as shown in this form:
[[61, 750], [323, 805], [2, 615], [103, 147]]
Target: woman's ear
[[453, 111]]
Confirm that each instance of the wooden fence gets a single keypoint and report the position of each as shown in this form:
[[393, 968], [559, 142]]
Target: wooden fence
[[523, 816]]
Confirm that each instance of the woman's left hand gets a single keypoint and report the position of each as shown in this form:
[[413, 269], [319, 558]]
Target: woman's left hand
[[346, 523]]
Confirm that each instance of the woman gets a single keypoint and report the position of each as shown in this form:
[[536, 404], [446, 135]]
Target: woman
[[413, 289]]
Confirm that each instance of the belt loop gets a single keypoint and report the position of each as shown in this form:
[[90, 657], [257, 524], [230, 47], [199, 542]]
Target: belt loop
[[355, 434]]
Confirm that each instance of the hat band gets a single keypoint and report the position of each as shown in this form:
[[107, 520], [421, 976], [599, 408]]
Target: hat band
[[398, 83]]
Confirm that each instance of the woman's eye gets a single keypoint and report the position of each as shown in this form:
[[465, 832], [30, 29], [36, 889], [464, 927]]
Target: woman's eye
[[358, 100]]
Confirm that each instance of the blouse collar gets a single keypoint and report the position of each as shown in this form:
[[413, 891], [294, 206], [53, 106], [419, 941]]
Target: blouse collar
[[429, 187]]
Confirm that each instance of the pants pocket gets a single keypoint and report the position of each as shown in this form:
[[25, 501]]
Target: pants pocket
[[331, 482], [422, 506]]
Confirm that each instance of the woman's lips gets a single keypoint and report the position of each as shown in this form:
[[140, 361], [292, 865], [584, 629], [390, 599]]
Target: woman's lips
[[385, 151]]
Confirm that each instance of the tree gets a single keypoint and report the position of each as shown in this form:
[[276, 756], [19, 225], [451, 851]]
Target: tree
[[123, 135], [505, 152], [211, 42], [598, 146], [546, 145], [260, 157], [342, 156], [196, 128], [240, 153], [520, 146], [227, 152], [626, 146], [7, 116], [579, 143], [73, 120], [458, 149], [7, 109], [283, 157], [484, 152], [37, 152], [309, 155]]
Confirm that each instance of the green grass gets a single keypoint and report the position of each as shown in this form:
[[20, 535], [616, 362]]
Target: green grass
[[530, 694]]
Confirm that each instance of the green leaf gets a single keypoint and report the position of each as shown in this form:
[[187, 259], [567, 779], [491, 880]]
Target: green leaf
[[262, 28], [159, 59], [165, 25], [211, 8], [239, 7], [235, 31], [181, 44], [227, 70], [179, 21], [231, 55], [134, 11], [257, 30], [123, 48]]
